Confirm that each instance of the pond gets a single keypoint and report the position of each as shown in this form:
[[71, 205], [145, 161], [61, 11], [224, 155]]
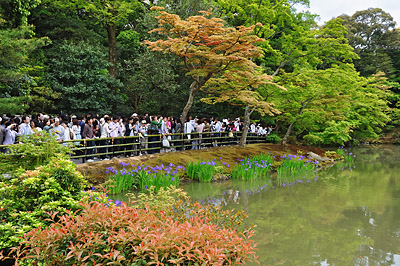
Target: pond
[[346, 216]]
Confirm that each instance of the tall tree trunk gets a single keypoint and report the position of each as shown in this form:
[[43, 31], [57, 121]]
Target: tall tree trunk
[[112, 49], [284, 140], [289, 130], [189, 102], [247, 114]]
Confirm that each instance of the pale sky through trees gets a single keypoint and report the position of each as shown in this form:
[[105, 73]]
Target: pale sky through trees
[[328, 9]]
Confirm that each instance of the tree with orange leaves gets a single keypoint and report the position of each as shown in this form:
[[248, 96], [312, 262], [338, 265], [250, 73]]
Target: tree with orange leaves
[[215, 57]]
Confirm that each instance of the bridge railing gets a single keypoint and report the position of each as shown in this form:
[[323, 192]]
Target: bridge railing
[[85, 149]]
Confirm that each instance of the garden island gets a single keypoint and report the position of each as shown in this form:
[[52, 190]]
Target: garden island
[[197, 133]]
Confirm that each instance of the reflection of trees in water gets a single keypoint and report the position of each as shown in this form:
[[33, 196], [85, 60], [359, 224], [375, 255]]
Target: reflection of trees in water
[[347, 217]]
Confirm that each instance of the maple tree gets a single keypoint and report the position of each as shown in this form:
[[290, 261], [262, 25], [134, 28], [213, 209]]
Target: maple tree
[[215, 57], [332, 106]]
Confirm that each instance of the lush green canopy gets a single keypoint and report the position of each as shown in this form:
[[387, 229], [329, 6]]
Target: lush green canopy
[[80, 56]]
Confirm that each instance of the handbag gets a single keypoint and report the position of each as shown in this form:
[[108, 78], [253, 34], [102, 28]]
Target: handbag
[[165, 142]]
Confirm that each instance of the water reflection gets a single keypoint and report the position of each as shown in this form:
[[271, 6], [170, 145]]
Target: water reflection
[[349, 216]]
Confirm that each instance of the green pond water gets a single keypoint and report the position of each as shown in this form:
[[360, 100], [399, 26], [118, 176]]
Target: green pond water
[[344, 217]]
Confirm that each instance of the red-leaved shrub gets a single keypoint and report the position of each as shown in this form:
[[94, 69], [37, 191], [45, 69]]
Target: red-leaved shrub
[[124, 235]]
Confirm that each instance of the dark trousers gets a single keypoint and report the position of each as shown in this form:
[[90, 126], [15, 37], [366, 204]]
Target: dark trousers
[[154, 145], [90, 151], [103, 150]]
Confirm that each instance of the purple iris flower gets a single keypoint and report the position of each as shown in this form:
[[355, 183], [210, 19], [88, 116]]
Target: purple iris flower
[[117, 202]]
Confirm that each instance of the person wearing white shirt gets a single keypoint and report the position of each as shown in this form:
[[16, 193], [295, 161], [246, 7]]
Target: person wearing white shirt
[[253, 128], [188, 128], [143, 135], [58, 130], [105, 133], [237, 123], [10, 134], [217, 126], [68, 133], [164, 127], [25, 127]]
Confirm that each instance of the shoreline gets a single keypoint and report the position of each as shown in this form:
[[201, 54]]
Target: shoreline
[[95, 172]]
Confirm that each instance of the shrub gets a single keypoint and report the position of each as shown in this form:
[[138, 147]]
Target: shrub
[[36, 149], [131, 236], [273, 138], [176, 203], [29, 195], [163, 199], [256, 166]]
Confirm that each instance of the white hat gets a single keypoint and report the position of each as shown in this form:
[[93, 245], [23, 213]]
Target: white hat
[[143, 121], [134, 114]]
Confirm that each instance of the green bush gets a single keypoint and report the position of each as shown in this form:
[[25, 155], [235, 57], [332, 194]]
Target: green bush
[[273, 138], [163, 199], [28, 195], [36, 149]]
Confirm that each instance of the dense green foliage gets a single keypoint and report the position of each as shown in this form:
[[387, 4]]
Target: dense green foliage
[[28, 196], [36, 177], [33, 151], [79, 74], [80, 56]]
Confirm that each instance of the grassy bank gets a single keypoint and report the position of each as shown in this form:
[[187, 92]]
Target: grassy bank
[[95, 172]]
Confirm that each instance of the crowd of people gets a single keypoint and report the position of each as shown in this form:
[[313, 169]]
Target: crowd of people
[[92, 127]]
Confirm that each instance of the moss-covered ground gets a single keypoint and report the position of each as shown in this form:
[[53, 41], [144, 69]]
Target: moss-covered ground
[[95, 172]]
